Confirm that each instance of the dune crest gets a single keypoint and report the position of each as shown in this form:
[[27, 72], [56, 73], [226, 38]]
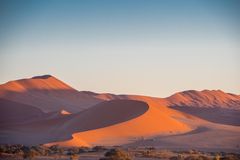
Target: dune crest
[[45, 110], [47, 93], [153, 122], [205, 98]]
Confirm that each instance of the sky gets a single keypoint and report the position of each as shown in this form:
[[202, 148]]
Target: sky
[[146, 47]]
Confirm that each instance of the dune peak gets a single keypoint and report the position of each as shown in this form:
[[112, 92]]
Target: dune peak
[[42, 76]]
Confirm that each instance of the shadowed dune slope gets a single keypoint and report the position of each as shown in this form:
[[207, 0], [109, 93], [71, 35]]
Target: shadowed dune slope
[[105, 114], [60, 127], [13, 112], [47, 93]]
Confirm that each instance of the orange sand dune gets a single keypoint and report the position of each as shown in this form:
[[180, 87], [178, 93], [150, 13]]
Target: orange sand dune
[[55, 126], [108, 119], [151, 123], [189, 98], [214, 106], [205, 98], [206, 136], [47, 93]]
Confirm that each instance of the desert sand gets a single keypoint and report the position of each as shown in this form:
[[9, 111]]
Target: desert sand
[[47, 93], [45, 110], [151, 123]]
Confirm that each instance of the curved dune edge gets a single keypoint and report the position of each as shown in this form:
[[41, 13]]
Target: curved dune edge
[[152, 123], [105, 114]]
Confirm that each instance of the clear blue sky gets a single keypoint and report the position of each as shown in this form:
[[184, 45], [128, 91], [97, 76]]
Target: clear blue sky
[[149, 47]]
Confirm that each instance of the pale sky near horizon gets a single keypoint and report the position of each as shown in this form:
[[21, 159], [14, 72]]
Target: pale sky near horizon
[[147, 47]]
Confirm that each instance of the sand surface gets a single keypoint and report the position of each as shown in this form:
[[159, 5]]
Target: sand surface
[[45, 110], [47, 93], [153, 122]]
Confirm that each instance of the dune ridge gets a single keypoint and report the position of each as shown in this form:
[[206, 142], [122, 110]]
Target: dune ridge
[[151, 123], [205, 98], [52, 112], [47, 93]]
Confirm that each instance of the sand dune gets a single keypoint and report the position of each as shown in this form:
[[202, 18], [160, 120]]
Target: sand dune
[[151, 123], [205, 98], [58, 126], [44, 110], [216, 115], [13, 112], [206, 136], [47, 93], [190, 98], [129, 131], [106, 114], [215, 106]]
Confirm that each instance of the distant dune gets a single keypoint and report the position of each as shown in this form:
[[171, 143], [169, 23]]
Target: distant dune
[[45, 110], [47, 93], [205, 98]]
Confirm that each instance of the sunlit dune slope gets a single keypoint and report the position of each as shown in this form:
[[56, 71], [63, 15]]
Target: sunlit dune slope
[[189, 98], [205, 98], [47, 93], [64, 112], [153, 122], [212, 105]]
